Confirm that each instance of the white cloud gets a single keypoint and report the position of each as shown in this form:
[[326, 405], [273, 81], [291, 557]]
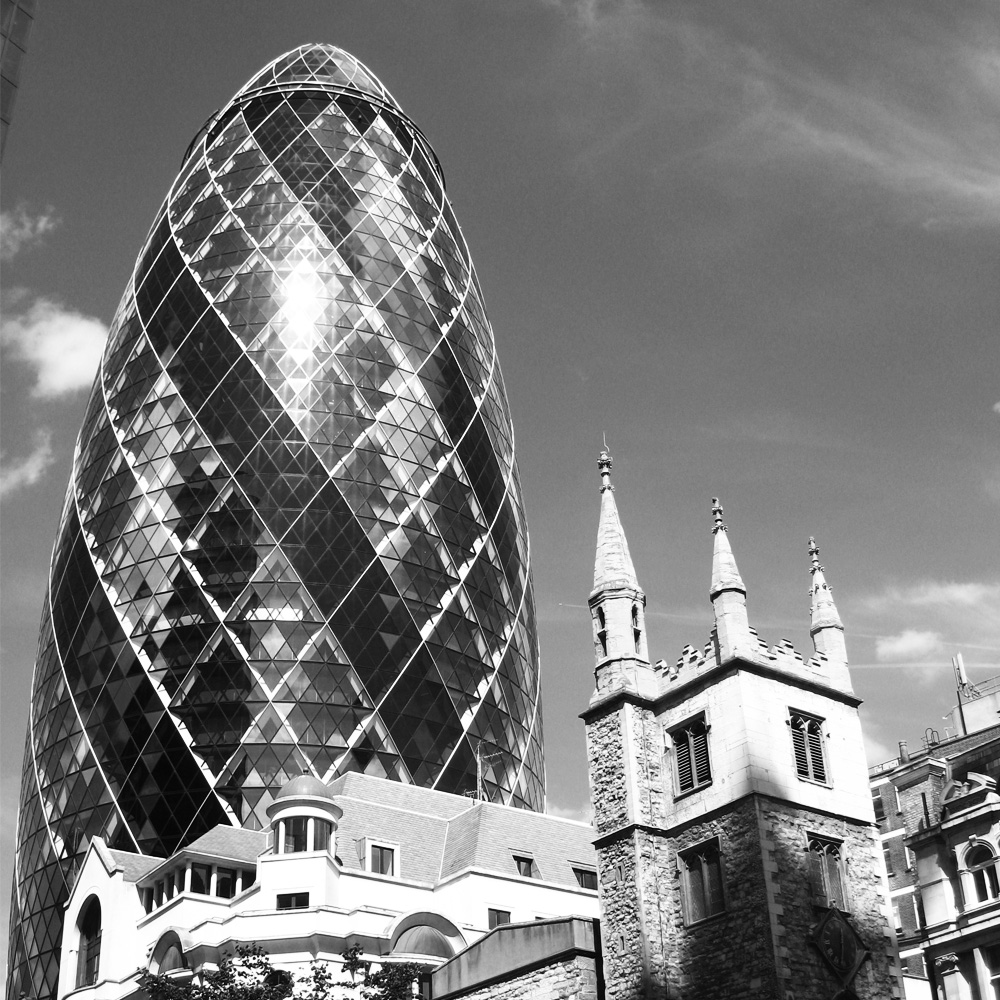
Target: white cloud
[[920, 626], [21, 472], [583, 813], [19, 230], [910, 644], [875, 750], [62, 345]]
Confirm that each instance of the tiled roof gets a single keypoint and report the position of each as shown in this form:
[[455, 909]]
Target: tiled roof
[[438, 834], [556, 845], [134, 866], [399, 796], [230, 842]]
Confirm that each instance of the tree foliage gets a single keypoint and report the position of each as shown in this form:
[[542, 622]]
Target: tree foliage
[[249, 975]]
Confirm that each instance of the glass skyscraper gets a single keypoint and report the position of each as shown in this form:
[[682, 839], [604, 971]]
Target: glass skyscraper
[[293, 536]]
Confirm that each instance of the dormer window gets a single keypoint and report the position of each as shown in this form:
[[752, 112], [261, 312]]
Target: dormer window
[[526, 866], [383, 860]]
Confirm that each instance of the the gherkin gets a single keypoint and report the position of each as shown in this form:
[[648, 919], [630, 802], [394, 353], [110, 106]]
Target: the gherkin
[[293, 536]]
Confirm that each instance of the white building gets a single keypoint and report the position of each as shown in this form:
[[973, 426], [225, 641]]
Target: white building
[[405, 872]]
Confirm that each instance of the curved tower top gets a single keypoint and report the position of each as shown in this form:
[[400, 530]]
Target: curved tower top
[[293, 538]]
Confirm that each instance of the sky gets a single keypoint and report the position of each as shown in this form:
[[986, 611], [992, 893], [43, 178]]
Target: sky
[[756, 246]]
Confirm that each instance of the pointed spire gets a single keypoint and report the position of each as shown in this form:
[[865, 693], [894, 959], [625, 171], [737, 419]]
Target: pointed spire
[[824, 611], [613, 567], [725, 574]]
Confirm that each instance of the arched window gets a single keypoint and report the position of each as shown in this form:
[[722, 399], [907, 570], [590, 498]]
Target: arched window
[[602, 632], [982, 864], [89, 959], [636, 631], [168, 954]]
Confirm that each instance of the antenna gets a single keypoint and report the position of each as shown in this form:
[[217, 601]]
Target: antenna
[[963, 688], [480, 758]]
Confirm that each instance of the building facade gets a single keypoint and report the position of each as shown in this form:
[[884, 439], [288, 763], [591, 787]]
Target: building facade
[[406, 873], [939, 822], [737, 850], [16, 20], [293, 536]]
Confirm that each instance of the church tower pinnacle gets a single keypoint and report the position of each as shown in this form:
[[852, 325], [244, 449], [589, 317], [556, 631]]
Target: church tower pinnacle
[[729, 596], [825, 626], [617, 603]]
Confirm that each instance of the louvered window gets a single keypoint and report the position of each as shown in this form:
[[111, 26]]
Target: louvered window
[[692, 766], [807, 745], [826, 872], [701, 876]]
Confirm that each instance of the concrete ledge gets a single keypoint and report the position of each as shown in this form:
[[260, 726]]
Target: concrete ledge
[[511, 950]]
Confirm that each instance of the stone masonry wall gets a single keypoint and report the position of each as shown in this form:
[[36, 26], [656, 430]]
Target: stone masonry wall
[[803, 973], [573, 979], [729, 955]]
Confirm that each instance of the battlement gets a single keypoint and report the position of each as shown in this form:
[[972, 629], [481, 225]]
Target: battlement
[[782, 655]]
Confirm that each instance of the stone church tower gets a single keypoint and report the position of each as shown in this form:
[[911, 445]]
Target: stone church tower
[[738, 855]]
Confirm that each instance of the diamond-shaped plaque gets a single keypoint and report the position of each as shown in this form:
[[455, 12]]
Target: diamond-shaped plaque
[[840, 946]]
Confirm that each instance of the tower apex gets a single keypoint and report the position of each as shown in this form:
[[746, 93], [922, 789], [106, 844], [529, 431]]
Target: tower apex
[[604, 464]]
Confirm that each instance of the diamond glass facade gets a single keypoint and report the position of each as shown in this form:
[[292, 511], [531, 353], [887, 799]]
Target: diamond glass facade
[[293, 537]]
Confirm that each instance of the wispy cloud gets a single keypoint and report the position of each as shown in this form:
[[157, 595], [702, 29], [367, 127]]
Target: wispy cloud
[[910, 644], [18, 473], [905, 98], [921, 625], [20, 229], [776, 427], [63, 346]]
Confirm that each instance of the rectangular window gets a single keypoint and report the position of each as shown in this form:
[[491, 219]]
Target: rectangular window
[[293, 900], [807, 746], [526, 866], [225, 883], [383, 860], [498, 917], [692, 767], [586, 878], [201, 878], [296, 833], [826, 873], [323, 832], [991, 956], [887, 858], [878, 803], [911, 859], [701, 879]]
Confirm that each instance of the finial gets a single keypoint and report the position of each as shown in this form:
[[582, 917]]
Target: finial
[[604, 464], [717, 516], [814, 555]]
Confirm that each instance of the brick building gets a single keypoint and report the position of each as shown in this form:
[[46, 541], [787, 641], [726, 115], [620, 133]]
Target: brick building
[[939, 822], [737, 850]]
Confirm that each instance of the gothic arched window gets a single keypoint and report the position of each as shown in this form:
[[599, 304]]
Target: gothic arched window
[[89, 958]]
